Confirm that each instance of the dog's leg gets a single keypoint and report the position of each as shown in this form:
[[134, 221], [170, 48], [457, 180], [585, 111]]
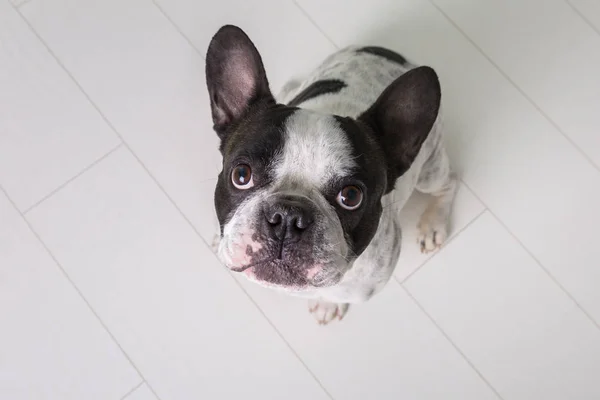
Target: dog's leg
[[326, 312], [438, 180]]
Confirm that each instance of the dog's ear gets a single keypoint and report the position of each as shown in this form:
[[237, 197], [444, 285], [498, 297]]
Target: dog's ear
[[235, 77], [402, 117]]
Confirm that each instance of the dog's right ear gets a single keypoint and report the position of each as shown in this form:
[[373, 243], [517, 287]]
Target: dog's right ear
[[235, 77]]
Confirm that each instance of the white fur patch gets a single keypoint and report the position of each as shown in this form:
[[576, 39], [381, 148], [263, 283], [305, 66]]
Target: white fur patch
[[315, 150], [238, 235]]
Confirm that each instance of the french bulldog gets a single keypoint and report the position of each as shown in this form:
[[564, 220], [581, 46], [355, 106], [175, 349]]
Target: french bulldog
[[313, 179]]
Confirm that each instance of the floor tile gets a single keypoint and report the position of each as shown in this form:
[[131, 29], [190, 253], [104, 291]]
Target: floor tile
[[175, 310], [51, 344], [290, 45], [515, 161], [17, 3], [535, 35], [148, 81], [589, 10], [49, 131], [184, 321], [509, 318], [141, 393], [384, 349]]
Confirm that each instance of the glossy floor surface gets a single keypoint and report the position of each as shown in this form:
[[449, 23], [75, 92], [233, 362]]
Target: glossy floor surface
[[109, 289]]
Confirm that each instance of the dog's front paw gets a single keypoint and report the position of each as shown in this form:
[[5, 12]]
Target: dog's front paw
[[326, 312], [432, 234]]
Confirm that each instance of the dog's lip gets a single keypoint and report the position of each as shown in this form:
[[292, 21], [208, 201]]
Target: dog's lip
[[245, 267], [320, 281]]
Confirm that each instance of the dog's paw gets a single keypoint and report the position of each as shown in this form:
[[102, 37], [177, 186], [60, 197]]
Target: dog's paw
[[325, 312], [432, 234]]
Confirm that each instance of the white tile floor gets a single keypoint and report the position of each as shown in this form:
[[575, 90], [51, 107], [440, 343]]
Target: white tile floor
[[108, 289]]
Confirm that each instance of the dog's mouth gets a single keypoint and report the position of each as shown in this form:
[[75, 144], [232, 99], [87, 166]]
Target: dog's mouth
[[274, 272], [248, 266]]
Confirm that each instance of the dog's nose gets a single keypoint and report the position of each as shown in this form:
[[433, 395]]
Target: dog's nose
[[288, 217]]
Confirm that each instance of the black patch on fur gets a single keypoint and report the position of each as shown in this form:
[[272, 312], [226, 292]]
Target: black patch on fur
[[254, 140], [316, 89], [361, 224], [385, 53]]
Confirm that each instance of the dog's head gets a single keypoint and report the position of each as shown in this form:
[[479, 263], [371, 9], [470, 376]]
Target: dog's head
[[299, 196]]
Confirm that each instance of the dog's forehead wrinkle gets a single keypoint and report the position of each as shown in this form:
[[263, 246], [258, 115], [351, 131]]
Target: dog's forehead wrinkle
[[315, 150]]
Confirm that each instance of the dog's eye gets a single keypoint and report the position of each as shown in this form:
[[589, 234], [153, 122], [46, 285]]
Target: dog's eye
[[242, 177], [350, 197]]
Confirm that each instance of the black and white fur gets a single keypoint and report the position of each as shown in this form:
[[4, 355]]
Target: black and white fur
[[366, 117]]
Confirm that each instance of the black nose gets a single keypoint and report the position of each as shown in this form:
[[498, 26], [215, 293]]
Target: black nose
[[288, 217]]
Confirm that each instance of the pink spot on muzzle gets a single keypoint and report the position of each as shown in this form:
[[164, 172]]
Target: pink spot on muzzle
[[313, 271], [243, 249]]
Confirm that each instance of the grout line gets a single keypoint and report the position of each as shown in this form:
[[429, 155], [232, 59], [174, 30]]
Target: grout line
[[68, 278], [312, 21], [83, 171], [450, 240], [583, 17], [468, 361], [177, 28], [539, 263], [517, 87], [36, 234], [136, 387], [176, 207], [20, 4]]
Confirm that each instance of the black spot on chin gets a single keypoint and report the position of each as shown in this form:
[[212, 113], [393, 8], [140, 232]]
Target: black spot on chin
[[385, 53], [280, 273], [316, 89]]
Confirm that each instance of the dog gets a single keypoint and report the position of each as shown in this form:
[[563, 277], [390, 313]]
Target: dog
[[312, 180]]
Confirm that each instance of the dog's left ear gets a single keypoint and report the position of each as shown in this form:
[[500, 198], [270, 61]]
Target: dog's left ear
[[235, 77], [402, 117]]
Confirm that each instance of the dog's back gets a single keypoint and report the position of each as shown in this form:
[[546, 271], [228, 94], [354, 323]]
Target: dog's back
[[348, 82]]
